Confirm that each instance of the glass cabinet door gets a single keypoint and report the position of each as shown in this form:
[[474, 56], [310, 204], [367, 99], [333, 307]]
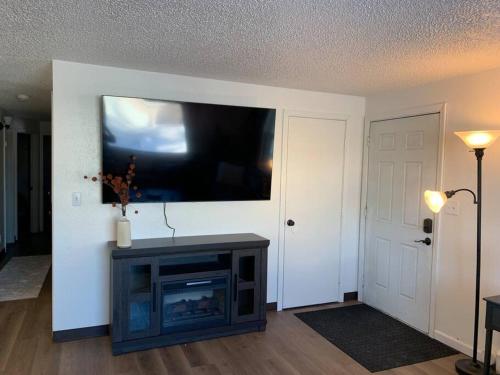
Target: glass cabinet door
[[141, 298], [246, 285]]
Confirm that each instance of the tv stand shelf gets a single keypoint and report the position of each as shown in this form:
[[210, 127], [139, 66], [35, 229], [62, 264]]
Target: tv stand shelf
[[168, 291]]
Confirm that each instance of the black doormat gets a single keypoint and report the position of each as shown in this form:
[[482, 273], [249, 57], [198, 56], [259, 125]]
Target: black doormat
[[373, 339]]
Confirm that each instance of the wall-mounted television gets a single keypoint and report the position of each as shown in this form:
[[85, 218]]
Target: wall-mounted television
[[188, 152]]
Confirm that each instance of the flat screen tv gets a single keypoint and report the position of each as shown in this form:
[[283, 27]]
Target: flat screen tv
[[188, 152]]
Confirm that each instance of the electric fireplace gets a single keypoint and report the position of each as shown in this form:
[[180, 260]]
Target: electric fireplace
[[191, 303], [168, 291]]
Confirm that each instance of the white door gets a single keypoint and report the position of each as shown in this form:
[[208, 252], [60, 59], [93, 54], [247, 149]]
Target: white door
[[403, 158], [314, 175]]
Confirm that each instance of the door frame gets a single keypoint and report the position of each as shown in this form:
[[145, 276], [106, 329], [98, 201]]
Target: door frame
[[3, 191], [439, 108], [287, 114], [43, 132], [11, 215]]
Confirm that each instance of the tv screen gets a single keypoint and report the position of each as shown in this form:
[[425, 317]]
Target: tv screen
[[187, 152]]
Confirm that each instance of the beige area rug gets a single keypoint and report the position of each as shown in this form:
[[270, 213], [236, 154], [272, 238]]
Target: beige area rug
[[23, 277]]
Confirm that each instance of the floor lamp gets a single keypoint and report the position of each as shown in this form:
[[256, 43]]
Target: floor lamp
[[478, 141]]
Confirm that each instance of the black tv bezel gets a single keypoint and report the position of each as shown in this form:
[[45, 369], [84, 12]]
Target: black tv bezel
[[181, 102]]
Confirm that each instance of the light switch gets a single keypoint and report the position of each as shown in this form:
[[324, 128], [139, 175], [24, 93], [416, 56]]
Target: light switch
[[76, 199], [452, 207]]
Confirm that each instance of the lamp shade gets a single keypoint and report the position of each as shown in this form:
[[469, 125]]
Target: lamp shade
[[435, 200], [479, 138]]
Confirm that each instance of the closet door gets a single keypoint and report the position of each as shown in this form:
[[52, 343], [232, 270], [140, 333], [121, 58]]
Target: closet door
[[314, 179]]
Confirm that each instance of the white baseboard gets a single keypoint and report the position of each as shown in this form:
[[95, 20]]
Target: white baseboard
[[458, 344]]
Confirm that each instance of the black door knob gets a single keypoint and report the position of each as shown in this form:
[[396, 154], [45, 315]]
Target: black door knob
[[290, 223], [426, 241]]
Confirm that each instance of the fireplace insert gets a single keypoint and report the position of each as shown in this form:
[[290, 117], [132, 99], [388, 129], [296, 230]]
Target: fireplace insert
[[198, 301]]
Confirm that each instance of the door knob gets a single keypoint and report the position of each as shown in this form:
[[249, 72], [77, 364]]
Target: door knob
[[290, 223], [426, 241]]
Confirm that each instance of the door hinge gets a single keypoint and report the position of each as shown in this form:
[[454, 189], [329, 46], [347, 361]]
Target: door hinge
[[368, 139]]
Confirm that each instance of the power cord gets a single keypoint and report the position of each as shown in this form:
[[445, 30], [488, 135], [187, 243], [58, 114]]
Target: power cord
[[166, 219]]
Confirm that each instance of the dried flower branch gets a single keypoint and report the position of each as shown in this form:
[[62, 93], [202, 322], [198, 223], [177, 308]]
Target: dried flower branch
[[120, 185]]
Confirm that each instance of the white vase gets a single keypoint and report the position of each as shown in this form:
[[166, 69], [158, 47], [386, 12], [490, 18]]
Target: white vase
[[123, 235]]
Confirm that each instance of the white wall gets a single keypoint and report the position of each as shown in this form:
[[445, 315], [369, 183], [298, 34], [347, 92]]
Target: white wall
[[473, 102], [80, 257]]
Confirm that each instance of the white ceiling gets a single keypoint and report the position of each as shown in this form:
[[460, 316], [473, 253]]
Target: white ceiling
[[344, 46]]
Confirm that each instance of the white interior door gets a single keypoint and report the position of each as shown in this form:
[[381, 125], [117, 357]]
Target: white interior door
[[314, 175], [403, 159]]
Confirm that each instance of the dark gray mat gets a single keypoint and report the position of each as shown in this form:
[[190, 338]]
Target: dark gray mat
[[373, 339]]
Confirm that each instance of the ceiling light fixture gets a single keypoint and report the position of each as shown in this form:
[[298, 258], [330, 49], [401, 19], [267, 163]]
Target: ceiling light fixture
[[23, 97]]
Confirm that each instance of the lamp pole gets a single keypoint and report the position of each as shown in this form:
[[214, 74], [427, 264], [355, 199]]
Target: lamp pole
[[465, 366], [479, 156], [478, 141]]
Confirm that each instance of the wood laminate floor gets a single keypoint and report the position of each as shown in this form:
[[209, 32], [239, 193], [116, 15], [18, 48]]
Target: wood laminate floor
[[287, 347]]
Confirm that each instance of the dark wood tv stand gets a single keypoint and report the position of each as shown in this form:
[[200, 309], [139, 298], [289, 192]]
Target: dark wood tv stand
[[168, 291]]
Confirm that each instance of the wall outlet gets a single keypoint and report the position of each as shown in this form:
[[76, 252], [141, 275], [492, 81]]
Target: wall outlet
[[452, 207], [76, 199]]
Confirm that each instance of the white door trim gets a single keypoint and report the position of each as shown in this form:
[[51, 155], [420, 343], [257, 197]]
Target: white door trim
[[281, 225], [404, 112]]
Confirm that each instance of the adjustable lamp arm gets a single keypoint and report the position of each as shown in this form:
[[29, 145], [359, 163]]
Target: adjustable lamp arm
[[451, 193]]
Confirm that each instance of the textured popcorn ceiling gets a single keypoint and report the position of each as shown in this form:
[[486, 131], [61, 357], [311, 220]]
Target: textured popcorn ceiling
[[343, 46]]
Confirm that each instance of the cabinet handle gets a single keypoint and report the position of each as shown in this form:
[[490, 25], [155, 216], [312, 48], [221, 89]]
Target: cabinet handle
[[199, 283], [235, 287], [154, 297]]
